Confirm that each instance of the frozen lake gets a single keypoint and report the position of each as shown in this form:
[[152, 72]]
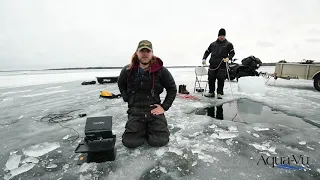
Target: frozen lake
[[208, 140]]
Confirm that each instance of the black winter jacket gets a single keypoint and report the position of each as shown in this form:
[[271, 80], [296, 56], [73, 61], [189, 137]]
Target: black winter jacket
[[141, 90], [219, 50]]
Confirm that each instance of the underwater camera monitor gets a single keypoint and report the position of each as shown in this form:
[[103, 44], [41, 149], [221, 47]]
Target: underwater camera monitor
[[99, 142]]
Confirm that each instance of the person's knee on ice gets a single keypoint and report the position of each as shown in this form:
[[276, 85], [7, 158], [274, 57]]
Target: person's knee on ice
[[158, 142], [141, 83], [225, 51], [135, 132], [158, 132], [129, 143]]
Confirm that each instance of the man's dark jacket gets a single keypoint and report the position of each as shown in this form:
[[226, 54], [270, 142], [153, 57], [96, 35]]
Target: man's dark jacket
[[219, 50], [141, 90]]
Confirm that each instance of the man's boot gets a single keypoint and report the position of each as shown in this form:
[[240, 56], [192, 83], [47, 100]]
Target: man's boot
[[180, 89], [219, 96], [210, 95], [184, 89]]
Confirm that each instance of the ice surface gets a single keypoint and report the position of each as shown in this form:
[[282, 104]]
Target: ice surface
[[41, 149], [45, 93], [200, 147], [13, 161], [252, 84]]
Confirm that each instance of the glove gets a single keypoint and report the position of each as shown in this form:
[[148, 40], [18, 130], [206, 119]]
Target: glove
[[225, 59], [204, 62]]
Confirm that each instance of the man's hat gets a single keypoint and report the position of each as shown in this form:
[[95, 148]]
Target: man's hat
[[222, 32], [144, 44]]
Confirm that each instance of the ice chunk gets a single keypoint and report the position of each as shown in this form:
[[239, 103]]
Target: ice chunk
[[162, 169], [251, 84], [19, 170], [13, 161], [41, 149], [85, 167], [30, 160], [318, 170], [255, 135], [194, 163], [66, 137], [264, 147], [260, 129], [214, 126], [66, 166], [233, 129], [229, 142], [51, 166], [302, 143], [176, 150], [160, 152], [310, 147], [224, 135]]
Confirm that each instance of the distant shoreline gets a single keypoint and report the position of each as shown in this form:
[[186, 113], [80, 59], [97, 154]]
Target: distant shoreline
[[79, 68], [84, 68]]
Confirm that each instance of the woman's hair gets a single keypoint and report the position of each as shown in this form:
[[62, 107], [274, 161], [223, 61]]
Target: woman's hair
[[135, 60]]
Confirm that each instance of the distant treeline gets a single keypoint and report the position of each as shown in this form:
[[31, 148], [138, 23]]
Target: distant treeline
[[79, 68]]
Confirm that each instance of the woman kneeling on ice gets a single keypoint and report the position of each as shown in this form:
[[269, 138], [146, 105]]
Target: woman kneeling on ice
[[140, 85]]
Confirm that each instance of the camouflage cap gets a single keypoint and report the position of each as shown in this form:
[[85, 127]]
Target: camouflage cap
[[144, 44]]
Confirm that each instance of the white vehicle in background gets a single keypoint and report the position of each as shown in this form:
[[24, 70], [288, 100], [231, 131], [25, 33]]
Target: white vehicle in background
[[305, 70]]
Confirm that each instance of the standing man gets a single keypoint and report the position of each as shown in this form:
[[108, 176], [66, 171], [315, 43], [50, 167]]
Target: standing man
[[140, 85], [221, 51]]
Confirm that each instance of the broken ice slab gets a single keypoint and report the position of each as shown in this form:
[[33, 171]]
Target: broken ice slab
[[13, 161], [41, 149], [19, 170]]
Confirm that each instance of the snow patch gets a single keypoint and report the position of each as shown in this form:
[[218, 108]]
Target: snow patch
[[41, 149]]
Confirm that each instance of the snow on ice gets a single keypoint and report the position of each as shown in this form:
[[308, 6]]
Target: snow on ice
[[200, 147]]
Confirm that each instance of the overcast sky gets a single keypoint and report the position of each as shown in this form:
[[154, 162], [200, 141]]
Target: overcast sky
[[38, 34]]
